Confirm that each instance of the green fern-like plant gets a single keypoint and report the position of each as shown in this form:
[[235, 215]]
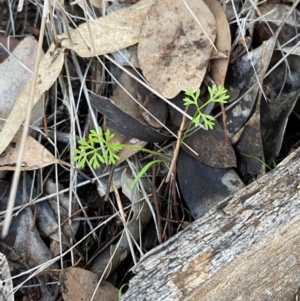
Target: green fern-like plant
[[97, 150], [216, 95]]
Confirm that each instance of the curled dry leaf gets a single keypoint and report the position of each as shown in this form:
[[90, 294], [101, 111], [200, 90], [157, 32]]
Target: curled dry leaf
[[174, 50], [49, 69], [218, 67], [123, 123], [110, 33], [35, 155], [154, 107], [16, 77]]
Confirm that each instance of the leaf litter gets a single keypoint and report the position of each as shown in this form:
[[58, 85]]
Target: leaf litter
[[182, 43], [167, 35]]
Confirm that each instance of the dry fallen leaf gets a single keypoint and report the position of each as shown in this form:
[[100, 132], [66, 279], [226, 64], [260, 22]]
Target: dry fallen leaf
[[17, 73], [124, 123], [79, 284], [273, 15], [35, 155], [129, 93], [128, 105], [110, 33], [218, 67], [124, 93], [49, 70], [174, 50], [203, 187], [211, 148], [28, 250]]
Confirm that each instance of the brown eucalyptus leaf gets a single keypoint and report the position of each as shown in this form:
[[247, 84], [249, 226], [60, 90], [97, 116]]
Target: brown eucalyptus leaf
[[110, 33], [49, 69], [211, 148], [17, 76], [123, 123], [174, 49], [218, 67], [35, 155]]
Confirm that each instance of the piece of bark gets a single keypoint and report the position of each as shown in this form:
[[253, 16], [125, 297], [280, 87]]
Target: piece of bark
[[246, 248]]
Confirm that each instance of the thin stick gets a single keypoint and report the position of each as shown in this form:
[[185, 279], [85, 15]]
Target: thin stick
[[123, 219], [176, 151], [224, 120], [16, 177], [174, 199], [156, 202]]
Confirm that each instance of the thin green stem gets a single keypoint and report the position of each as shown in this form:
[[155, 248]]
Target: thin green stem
[[258, 159], [189, 127], [138, 148]]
